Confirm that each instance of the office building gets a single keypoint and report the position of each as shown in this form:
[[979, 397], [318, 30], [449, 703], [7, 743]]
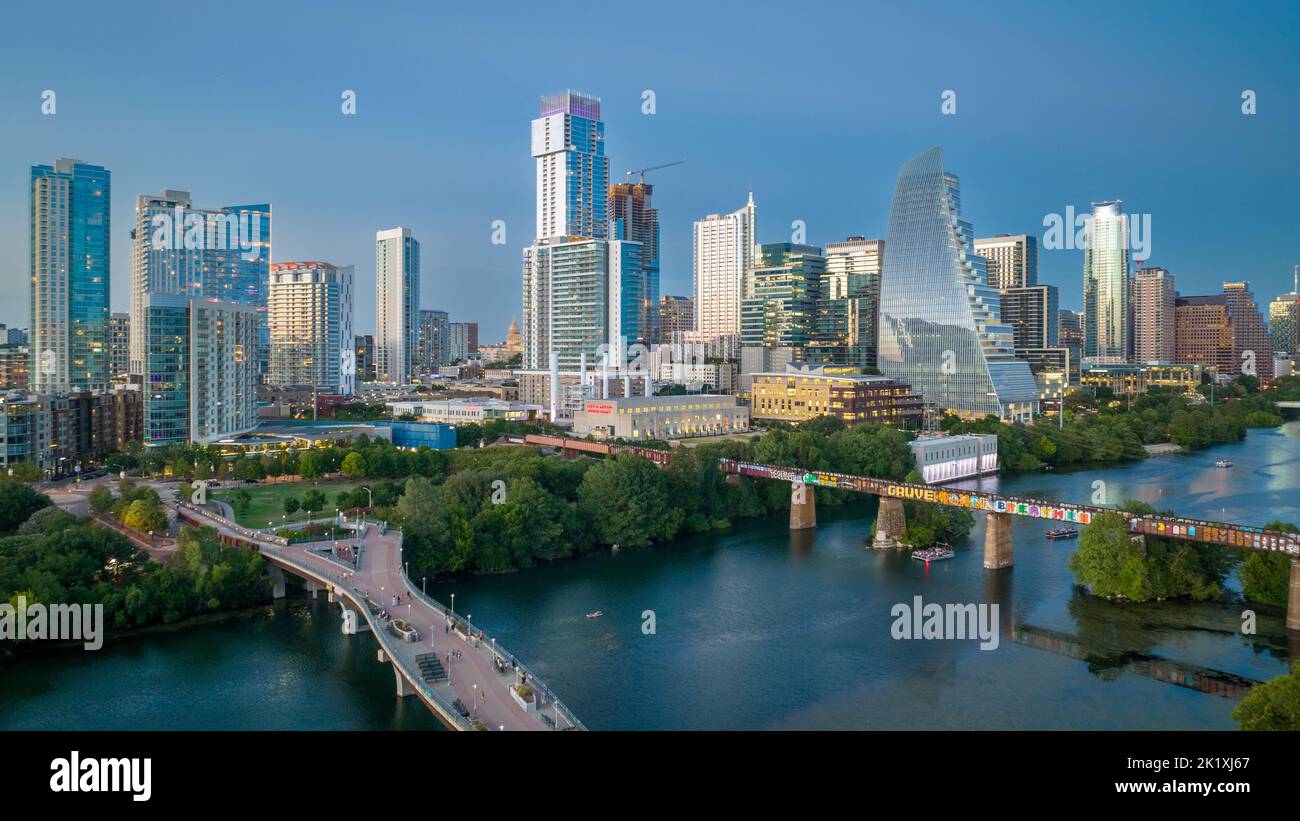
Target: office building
[[676, 319], [806, 392], [781, 308], [1033, 314], [221, 254], [1223, 331], [462, 341], [1106, 287], [1012, 261], [1138, 378], [70, 252], [310, 320], [1252, 345], [1284, 318], [397, 304], [1153, 315], [722, 250], [848, 298], [940, 326]]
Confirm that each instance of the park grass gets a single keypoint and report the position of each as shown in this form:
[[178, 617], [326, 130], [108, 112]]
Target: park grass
[[268, 499]]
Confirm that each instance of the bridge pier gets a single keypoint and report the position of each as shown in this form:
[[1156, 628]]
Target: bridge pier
[[277, 582], [353, 622], [381, 657], [1293, 597], [313, 588], [891, 523], [997, 541], [404, 687], [329, 592], [803, 507]]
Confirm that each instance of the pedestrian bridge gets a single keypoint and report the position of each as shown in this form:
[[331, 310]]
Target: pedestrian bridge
[[465, 677]]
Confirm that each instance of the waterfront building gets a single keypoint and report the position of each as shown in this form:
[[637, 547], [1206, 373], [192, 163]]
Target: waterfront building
[[948, 458], [940, 326], [1138, 378], [801, 393], [1153, 316], [1012, 261], [397, 304], [722, 252], [1106, 287], [70, 252], [310, 321], [661, 417]]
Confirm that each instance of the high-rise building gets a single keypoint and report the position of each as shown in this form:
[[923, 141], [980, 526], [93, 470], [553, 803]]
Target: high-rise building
[[1033, 314], [15, 366], [200, 369], [1153, 316], [572, 171], [1223, 331], [781, 310], [1252, 345], [1284, 318], [70, 231], [397, 304], [723, 247], [847, 303], [462, 340], [566, 301], [634, 220], [434, 347], [1106, 288], [119, 348], [221, 254], [1012, 260], [310, 319], [676, 318], [940, 327]]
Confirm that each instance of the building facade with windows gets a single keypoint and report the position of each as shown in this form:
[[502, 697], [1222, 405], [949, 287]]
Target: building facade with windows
[[311, 326], [661, 417], [799, 394]]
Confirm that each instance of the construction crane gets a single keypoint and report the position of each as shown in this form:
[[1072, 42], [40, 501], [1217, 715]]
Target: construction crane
[[645, 168]]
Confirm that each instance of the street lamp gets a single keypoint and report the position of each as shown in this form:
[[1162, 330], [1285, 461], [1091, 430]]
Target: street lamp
[[476, 702], [424, 589], [369, 496]]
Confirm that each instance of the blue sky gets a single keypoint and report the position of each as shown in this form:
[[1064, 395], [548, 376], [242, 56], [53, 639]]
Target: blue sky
[[814, 106]]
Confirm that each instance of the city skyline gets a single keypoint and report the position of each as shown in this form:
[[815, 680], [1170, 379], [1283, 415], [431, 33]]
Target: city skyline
[[839, 186]]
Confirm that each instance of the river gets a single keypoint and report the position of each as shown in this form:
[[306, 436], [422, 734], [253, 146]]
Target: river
[[754, 628]]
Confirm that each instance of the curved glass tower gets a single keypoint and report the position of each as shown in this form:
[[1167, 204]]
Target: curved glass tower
[[940, 326]]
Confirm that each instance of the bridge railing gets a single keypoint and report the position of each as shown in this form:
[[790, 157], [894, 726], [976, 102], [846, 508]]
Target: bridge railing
[[396, 654], [494, 649]]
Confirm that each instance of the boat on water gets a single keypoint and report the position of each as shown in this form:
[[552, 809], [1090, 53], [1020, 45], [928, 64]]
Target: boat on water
[[938, 553], [1223, 463], [595, 615], [1062, 533]]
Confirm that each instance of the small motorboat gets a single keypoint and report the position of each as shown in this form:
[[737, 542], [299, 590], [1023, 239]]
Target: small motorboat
[[1062, 533], [597, 614], [1223, 463]]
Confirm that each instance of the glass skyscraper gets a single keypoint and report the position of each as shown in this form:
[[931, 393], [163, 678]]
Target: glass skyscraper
[[786, 281], [632, 218], [1106, 285], [70, 230], [397, 304], [940, 326]]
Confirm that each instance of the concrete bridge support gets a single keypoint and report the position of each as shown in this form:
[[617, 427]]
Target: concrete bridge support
[[997, 541], [329, 593], [404, 687], [277, 582], [381, 657], [1293, 597], [890, 524], [313, 588], [803, 507], [353, 622]]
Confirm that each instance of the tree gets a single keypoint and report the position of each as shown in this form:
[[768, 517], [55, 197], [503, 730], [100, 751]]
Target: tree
[[290, 505], [101, 498], [1265, 577], [17, 502], [309, 465], [626, 500], [1273, 705], [313, 500], [145, 515], [354, 465], [241, 500], [25, 472]]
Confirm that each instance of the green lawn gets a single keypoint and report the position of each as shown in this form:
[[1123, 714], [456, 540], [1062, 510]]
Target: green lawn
[[268, 499]]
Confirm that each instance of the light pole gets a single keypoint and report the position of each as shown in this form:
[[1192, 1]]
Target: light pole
[[423, 588], [371, 497], [476, 702]]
